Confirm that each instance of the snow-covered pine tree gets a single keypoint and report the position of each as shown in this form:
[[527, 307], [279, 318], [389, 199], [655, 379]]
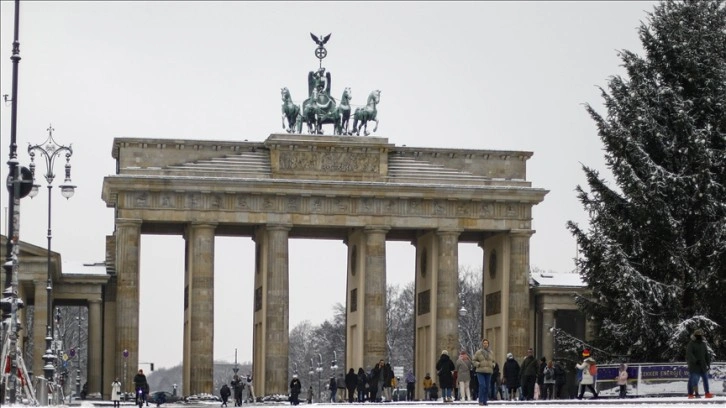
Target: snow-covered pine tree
[[654, 254]]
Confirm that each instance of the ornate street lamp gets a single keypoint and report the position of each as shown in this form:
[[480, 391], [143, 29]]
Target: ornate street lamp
[[49, 150], [319, 369], [311, 372]]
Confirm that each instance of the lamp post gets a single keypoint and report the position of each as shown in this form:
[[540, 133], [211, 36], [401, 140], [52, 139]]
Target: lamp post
[[310, 373], [49, 150], [126, 357], [462, 314], [319, 369]]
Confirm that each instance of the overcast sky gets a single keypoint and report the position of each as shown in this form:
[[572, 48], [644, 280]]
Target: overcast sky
[[474, 75]]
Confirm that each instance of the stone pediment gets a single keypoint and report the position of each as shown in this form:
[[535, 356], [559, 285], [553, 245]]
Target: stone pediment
[[27, 250]]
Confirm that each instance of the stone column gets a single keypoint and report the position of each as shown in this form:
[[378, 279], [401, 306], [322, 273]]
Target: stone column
[[548, 321], [374, 326], [447, 304], [199, 328], [277, 311], [95, 324], [110, 368], [128, 235], [518, 332], [40, 325]]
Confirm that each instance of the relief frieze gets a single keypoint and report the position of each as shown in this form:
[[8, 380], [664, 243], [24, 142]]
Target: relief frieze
[[258, 203], [335, 162]]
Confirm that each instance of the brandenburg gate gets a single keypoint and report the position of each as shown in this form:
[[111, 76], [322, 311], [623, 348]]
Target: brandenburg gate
[[361, 190]]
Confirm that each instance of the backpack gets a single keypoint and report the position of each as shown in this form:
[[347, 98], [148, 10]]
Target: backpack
[[593, 369]]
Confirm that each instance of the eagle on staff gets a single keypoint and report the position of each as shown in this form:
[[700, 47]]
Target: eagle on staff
[[318, 40]]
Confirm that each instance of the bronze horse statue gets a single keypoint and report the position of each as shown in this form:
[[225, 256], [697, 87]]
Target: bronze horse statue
[[363, 115], [290, 111], [344, 109]]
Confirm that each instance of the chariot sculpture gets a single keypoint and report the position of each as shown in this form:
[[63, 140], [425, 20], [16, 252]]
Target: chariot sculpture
[[320, 108]]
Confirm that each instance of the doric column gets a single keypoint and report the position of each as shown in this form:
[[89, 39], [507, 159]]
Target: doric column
[[374, 344], [128, 235], [199, 314], [548, 321], [40, 323], [95, 324], [277, 310], [519, 327], [447, 304]]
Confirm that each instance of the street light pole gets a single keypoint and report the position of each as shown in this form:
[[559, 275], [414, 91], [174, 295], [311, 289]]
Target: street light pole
[[310, 373], [320, 376], [49, 150]]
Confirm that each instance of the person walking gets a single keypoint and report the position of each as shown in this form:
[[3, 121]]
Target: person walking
[[588, 378], [560, 380], [362, 383], [463, 368], [310, 395], [445, 370], [333, 388], [549, 381], [351, 382], [427, 383], [698, 364], [237, 387], [511, 376], [295, 389], [341, 387], [116, 392], [529, 375], [540, 377], [622, 380], [495, 383], [375, 382], [224, 392], [410, 386], [250, 389], [388, 380], [484, 365]]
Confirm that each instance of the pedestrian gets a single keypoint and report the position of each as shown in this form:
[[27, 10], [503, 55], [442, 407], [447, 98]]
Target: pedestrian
[[341, 387], [375, 382], [560, 380], [351, 382], [224, 392], [434, 392], [484, 365], [445, 371], [250, 389], [427, 383], [388, 379], [310, 395], [699, 363], [362, 384], [295, 388], [589, 370], [333, 388], [529, 375], [622, 380], [463, 368], [549, 381], [540, 377], [237, 387], [116, 392], [494, 384], [473, 384], [410, 386], [511, 376]]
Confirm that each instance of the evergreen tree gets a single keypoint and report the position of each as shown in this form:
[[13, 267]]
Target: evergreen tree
[[654, 254]]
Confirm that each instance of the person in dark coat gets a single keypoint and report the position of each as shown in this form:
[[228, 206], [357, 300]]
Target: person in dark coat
[[351, 382], [445, 368], [410, 385], [237, 387], [529, 375], [141, 386], [560, 380], [362, 383], [387, 374], [496, 382], [333, 387], [224, 392], [295, 389], [375, 382], [698, 364], [511, 375], [540, 377], [474, 385]]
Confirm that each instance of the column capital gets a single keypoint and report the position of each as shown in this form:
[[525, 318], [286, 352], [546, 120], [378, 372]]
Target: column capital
[[278, 227], [449, 231], [376, 228], [128, 222], [522, 233]]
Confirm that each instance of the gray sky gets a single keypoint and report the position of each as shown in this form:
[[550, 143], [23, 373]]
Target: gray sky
[[476, 75]]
